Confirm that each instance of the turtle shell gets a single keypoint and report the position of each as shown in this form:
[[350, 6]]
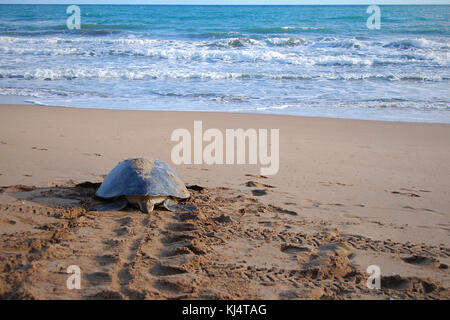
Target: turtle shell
[[142, 177]]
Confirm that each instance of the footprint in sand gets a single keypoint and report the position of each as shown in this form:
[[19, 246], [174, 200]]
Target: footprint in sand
[[93, 154], [334, 204], [330, 184], [289, 248], [410, 192], [351, 216], [424, 209], [439, 228], [259, 192], [253, 184], [197, 168], [420, 260], [40, 149], [178, 237], [166, 270], [395, 282], [223, 219], [312, 203], [256, 176], [107, 259], [182, 227], [408, 284], [106, 295], [194, 187], [282, 210], [97, 278]]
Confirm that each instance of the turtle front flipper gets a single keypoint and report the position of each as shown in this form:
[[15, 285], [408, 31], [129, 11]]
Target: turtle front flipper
[[112, 206], [171, 205]]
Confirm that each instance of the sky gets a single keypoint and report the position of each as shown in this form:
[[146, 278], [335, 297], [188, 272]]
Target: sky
[[233, 2]]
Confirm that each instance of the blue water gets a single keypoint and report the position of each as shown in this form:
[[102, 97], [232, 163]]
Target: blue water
[[297, 60]]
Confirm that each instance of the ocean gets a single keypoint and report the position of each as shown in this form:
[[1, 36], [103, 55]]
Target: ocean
[[295, 60]]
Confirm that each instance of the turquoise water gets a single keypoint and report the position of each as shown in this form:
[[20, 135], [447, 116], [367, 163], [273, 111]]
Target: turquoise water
[[297, 60]]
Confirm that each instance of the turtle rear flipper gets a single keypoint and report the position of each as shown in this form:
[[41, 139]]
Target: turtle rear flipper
[[171, 205], [112, 206]]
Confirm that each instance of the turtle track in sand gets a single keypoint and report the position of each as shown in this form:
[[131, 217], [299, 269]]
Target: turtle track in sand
[[233, 247]]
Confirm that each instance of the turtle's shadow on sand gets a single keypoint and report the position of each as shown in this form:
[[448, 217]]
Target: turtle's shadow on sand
[[77, 195]]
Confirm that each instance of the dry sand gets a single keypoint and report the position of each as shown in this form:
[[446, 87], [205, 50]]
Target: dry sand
[[348, 194]]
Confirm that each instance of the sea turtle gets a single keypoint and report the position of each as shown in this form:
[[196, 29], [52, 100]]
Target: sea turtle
[[143, 183]]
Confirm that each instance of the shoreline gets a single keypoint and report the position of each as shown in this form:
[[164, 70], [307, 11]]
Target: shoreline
[[29, 104]]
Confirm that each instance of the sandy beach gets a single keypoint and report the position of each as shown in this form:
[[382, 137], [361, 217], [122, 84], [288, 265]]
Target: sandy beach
[[348, 194]]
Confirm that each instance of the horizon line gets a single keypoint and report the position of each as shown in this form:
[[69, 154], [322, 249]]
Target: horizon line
[[236, 5]]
